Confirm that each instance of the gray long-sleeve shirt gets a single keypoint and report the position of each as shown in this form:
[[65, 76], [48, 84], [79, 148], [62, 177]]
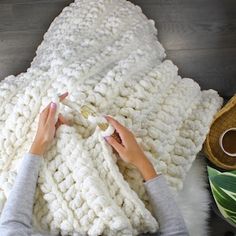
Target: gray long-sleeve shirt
[[16, 217]]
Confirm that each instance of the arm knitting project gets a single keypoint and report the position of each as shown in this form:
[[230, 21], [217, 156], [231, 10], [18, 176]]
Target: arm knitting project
[[104, 53]]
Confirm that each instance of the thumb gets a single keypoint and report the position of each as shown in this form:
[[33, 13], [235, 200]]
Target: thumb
[[63, 120], [117, 146]]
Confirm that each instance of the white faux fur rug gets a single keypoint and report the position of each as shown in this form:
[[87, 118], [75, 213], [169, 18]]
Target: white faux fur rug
[[194, 200], [104, 53]]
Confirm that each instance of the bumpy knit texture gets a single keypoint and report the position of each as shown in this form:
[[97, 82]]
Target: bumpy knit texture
[[104, 53]]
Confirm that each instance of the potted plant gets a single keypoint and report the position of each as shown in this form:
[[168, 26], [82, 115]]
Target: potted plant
[[223, 187]]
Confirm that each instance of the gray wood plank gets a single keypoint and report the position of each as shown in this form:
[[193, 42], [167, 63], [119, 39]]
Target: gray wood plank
[[29, 16], [213, 68], [14, 65], [194, 35], [31, 1], [17, 50], [190, 10], [184, 24], [5, 16], [13, 42]]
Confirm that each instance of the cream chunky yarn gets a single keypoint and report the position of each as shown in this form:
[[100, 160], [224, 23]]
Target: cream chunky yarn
[[104, 53]]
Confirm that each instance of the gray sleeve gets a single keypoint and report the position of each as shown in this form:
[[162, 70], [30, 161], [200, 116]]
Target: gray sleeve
[[17, 213], [165, 209]]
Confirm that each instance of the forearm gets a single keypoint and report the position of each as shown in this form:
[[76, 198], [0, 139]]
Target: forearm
[[17, 212], [165, 208], [146, 168]]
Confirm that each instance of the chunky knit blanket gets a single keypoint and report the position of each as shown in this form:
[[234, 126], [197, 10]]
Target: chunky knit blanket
[[104, 53]]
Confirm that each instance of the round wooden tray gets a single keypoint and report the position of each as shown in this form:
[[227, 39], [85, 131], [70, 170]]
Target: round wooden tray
[[224, 119]]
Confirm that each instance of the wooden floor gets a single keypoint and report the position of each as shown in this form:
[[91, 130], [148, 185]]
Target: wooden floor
[[199, 36]]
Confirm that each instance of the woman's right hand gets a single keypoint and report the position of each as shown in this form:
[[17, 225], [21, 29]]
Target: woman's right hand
[[129, 150]]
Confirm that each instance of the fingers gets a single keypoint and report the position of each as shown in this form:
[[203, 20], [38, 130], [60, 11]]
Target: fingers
[[117, 146], [44, 113], [52, 112], [49, 111], [63, 120], [63, 96], [46, 110], [118, 126], [121, 130]]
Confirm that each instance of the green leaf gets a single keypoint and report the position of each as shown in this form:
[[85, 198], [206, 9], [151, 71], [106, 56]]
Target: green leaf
[[212, 172], [223, 186], [223, 199], [225, 182]]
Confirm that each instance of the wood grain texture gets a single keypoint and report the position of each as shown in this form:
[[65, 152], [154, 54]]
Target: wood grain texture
[[17, 49], [212, 68], [29, 16], [199, 36], [33, 1], [22, 26]]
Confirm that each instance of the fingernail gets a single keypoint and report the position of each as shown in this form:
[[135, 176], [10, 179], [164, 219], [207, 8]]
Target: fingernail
[[53, 105], [106, 137], [106, 116]]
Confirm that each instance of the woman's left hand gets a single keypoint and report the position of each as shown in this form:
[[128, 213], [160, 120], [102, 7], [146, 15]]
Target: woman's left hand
[[47, 128]]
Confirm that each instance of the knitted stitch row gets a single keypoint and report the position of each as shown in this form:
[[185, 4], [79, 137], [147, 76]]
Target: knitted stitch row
[[104, 53]]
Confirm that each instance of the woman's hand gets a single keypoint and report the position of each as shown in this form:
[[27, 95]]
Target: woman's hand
[[47, 128], [129, 150]]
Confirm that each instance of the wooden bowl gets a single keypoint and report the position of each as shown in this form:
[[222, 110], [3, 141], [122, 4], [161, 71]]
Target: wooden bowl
[[223, 120]]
